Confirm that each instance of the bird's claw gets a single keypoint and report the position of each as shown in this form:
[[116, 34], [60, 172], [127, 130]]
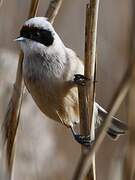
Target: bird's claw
[[84, 140], [80, 79]]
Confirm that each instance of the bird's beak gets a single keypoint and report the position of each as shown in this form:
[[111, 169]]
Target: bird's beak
[[19, 39]]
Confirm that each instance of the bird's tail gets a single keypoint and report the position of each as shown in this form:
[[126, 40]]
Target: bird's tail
[[117, 127]]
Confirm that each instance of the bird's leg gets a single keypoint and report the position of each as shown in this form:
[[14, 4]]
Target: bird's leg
[[82, 139]]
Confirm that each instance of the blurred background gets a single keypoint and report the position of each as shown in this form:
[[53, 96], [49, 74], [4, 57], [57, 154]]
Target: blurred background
[[46, 149]]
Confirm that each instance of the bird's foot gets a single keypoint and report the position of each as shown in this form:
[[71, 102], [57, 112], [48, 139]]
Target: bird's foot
[[84, 140], [80, 79]]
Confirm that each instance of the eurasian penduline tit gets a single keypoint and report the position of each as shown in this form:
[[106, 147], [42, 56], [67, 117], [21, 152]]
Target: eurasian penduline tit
[[48, 70]]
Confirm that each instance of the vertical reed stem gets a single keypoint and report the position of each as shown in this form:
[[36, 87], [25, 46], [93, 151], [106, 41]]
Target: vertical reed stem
[[87, 93]]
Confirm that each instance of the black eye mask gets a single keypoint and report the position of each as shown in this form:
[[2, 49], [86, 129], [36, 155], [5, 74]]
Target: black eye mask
[[39, 35]]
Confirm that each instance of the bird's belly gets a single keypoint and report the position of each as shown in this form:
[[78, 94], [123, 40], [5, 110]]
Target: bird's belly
[[51, 103], [48, 94], [47, 99]]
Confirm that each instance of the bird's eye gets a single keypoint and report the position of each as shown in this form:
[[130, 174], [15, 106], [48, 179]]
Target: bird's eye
[[37, 33], [34, 35]]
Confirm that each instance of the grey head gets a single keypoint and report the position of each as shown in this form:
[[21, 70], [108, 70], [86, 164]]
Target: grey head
[[37, 33]]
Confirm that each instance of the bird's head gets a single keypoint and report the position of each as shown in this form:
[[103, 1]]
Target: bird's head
[[35, 34]]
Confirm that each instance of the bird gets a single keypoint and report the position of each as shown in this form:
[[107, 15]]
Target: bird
[[50, 70]]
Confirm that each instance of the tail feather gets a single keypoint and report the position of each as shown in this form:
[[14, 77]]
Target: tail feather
[[113, 135], [117, 127]]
